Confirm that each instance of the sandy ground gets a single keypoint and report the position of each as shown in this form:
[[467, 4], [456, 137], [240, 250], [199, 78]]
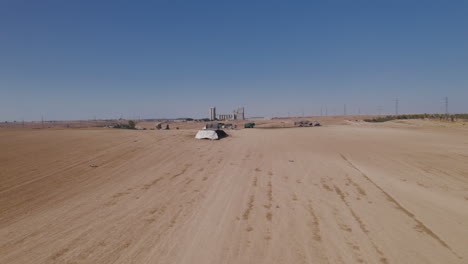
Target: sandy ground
[[356, 193]]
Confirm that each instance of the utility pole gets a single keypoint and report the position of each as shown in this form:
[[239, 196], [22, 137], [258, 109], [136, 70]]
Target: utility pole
[[42, 119], [326, 110], [321, 111], [344, 109]]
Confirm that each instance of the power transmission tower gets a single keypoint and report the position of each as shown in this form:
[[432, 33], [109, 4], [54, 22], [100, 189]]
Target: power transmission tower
[[446, 106], [396, 106], [379, 109]]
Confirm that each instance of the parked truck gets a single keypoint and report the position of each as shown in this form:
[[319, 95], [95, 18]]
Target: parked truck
[[249, 125]]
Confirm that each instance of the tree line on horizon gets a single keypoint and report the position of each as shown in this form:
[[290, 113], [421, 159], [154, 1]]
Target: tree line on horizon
[[448, 117]]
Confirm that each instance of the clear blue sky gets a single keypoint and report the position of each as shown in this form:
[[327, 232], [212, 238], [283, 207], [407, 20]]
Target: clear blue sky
[[80, 59]]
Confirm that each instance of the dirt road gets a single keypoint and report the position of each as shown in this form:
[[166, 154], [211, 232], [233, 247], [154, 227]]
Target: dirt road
[[338, 194]]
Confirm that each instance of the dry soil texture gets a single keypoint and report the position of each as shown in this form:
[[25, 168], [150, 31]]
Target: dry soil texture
[[335, 194]]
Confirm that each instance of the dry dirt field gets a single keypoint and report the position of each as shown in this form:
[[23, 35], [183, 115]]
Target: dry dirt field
[[342, 193]]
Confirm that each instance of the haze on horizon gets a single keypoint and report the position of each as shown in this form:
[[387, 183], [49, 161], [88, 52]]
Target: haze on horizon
[[152, 59]]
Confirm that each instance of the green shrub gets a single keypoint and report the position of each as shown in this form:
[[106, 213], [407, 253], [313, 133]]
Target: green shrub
[[131, 124]]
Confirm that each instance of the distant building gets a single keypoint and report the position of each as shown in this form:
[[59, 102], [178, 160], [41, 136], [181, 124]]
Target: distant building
[[225, 117], [213, 113], [238, 114]]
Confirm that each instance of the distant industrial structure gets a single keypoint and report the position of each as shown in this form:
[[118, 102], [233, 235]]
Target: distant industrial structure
[[213, 113], [225, 117], [237, 114]]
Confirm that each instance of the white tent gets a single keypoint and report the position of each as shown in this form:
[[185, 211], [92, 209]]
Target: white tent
[[209, 134]]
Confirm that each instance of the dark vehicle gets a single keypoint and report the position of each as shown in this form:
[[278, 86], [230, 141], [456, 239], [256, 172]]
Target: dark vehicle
[[302, 123], [214, 126], [249, 125]]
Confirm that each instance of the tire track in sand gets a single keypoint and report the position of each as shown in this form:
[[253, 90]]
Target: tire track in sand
[[420, 226], [362, 226]]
